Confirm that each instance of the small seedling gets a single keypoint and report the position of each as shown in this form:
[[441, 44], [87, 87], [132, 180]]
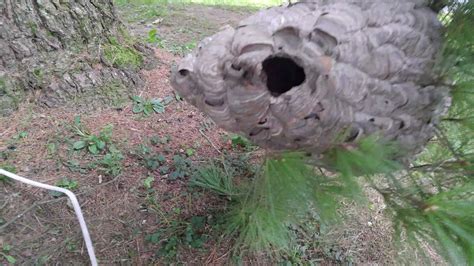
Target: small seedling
[[148, 182], [178, 97], [6, 248], [153, 38], [241, 142], [64, 183], [154, 162], [156, 140], [150, 106], [190, 152], [189, 233], [21, 135], [9, 168]]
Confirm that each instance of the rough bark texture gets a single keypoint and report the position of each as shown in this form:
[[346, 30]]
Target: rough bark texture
[[306, 75], [54, 50]]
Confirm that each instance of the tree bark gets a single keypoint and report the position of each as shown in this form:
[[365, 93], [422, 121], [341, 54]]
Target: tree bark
[[52, 51]]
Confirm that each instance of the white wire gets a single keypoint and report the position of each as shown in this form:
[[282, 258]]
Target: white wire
[[75, 204]]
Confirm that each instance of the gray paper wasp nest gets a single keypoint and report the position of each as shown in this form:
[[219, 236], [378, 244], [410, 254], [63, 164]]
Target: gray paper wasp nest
[[299, 77]]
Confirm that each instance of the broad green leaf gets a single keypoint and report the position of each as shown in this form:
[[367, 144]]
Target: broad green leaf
[[137, 108], [79, 145], [93, 149], [167, 100], [10, 259], [137, 99], [159, 109], [100, 145], [148, 110]]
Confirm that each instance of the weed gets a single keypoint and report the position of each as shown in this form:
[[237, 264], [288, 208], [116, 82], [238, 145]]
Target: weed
[[190, 152], [21, 135], [241, 142], [52, 149], [153, 38], [156, 140], [70, 245], [111, 164], [7, 167], [178, 97], [75, 166], [189, 233], [148, 182], [149, 160], [150, 106], [182, 167], [6, 248], [64, 183], [94, 143]]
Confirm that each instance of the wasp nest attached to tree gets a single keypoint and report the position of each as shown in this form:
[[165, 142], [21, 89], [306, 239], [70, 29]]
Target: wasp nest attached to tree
[[299, 77]]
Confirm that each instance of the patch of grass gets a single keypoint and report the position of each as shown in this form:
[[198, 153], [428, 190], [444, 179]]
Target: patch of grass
[[122, 55], [215, 179]]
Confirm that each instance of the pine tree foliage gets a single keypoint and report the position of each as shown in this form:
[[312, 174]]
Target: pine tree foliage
[[430, 198]]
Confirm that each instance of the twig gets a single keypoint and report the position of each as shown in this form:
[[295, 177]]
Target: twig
[[209, 140]]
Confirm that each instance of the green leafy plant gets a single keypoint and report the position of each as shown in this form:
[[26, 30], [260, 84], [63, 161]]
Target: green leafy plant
[[241, 142], [182, 167], [95, 144], [149, 106], [157, 140], [111, 163], [7, 167], [66, 183], [190, 152], [150, 160], [6, 248], [148, 182], [188, 233], [21, 135], [153, 38]]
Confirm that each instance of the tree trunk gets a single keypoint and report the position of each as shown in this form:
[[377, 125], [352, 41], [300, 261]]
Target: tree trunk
[[53, 51]]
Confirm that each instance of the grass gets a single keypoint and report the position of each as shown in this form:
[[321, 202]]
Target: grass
[[122, 55]]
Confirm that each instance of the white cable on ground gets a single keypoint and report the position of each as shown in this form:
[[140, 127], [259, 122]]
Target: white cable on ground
[[75, 204]]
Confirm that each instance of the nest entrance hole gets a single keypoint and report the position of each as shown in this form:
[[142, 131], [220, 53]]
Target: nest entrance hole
[[283, 74]]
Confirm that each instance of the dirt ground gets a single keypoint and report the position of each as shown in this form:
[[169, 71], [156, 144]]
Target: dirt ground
[[124, 212]]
